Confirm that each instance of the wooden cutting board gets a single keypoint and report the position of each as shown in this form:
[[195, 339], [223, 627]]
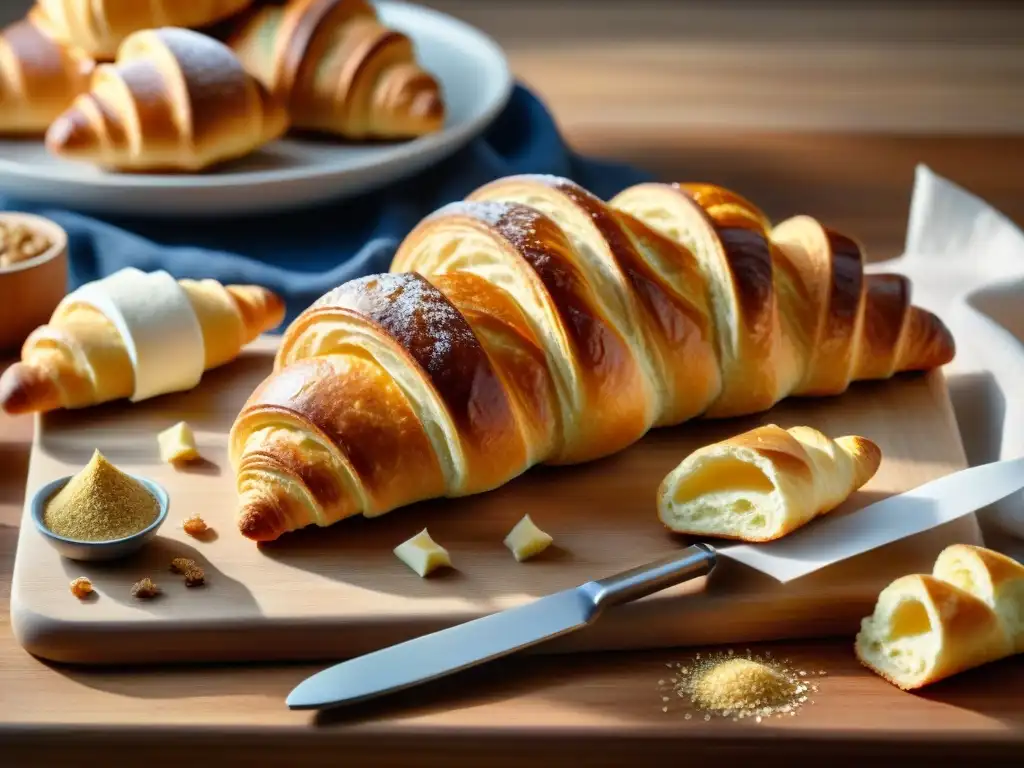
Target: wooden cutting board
[[330, 593]]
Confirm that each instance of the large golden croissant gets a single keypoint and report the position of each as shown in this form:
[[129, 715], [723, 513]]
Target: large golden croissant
[[339, 69], [535, 323], [39, 77], [176, 100], [80, 357], [100, 26]]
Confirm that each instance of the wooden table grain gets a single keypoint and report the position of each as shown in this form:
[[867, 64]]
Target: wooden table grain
[[953, 101]]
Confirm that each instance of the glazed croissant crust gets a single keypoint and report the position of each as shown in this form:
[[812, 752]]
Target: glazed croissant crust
[[535, 323], [100, 26], [339, 69], [175, 100], [39, 77]]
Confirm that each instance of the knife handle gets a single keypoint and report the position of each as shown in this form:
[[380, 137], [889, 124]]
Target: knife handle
[[696, 560]]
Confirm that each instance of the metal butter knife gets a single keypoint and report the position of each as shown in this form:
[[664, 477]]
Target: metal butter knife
[[500, 634], [491, 637]]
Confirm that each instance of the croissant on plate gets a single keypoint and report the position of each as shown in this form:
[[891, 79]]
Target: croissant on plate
[[175, 100], [39, 77], [82, 358], [535, 323], [100, 26], [926, 627], [765, 483], [339, 69]]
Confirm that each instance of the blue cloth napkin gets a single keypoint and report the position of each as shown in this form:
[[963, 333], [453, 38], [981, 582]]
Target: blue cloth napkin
[[304, 254]]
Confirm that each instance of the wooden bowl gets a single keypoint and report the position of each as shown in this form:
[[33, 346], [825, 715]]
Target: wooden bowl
[[30, 290]]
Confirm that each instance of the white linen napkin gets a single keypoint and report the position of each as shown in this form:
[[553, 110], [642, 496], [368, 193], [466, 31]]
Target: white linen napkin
[[966, 262]]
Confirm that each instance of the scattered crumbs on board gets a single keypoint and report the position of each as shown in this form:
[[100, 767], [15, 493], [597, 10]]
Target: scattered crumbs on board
[[144, 589], [739, 686], [195, 526], [82, 588], [195, 577], [182, 565]]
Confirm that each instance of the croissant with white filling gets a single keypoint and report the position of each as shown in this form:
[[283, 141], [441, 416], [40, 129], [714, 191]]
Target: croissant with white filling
[[764, 483], [926, 627]]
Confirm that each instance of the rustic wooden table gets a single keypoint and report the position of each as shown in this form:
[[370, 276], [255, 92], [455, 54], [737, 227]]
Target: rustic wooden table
[[822, 109]]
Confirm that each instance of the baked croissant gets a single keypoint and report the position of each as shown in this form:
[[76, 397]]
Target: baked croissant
[[39, 78], [80, 358], [100, 26], [339, 69], [927, 627], [535, 323], [765, 483], [176, 100]]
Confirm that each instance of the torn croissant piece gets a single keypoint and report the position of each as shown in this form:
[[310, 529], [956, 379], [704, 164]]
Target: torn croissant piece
[[339, 69], [84, 356], [100, 26], [535, 323], [969, 611], [992, 577], [175, 100], [924, 629], [765, 483], [39, 77]]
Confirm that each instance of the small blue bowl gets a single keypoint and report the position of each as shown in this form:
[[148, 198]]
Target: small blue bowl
[[74, 549]]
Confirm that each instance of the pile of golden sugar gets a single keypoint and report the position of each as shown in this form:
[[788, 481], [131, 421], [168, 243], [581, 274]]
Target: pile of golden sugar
[[100, 503], [728, 685]]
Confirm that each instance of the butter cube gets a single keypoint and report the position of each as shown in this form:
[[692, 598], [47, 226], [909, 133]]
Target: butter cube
[[527, 540], [423, 554], [177, 443]]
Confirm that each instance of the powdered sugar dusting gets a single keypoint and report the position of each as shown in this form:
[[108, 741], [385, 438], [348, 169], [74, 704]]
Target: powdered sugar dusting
[[199, 55], [549, 179], [490, 213], [413, 312]]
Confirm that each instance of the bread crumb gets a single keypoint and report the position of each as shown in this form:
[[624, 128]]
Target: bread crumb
[[81, 587], [145, 589], [195, 577], [182, 565], [195, 526]]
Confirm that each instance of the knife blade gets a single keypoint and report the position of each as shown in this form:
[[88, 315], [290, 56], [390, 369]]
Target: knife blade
[[451, 650], [829, 541]]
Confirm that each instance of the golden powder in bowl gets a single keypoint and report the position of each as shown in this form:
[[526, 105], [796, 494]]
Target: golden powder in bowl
[[100, 503], [729, 685]]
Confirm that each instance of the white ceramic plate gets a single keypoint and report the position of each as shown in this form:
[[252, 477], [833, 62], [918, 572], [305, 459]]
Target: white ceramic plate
[[290, 173]]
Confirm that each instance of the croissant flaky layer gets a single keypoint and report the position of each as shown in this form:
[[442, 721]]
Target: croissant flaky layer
[[80, 358], [535, 323], [339, 69], [175, 100]]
